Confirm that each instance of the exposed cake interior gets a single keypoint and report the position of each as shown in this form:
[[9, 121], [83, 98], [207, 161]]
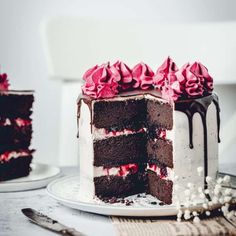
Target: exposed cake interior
[[15, 133], [125, 151]]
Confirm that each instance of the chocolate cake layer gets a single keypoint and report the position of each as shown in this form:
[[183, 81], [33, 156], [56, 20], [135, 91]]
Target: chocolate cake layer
[[118, 115], [160, 188], [13, 137], [15, 105], [15, 168], [120, 150], [160, 151], [159, 114], [118, 186]]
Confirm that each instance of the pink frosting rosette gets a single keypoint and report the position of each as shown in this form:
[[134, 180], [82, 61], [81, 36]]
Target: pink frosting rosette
[[101, 82], [143, 76], [192, 80], [4, 85], [166, 72], [195, 80], [126, 80]]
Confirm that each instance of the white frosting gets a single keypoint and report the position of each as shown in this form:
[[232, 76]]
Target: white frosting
[[102, 133], [86, 155], [186, 160]]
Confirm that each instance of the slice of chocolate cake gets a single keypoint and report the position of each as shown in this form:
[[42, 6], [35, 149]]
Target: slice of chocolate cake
[[15, 133], [144, 133]]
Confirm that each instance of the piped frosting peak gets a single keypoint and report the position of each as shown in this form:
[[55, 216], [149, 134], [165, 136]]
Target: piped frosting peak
[[190, 81], [4, 84]]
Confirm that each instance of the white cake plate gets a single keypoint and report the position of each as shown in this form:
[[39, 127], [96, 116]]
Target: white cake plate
[[39, 177], [65, 190]]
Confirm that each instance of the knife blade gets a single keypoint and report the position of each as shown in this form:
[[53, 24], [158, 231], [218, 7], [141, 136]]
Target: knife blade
[[48, 223]]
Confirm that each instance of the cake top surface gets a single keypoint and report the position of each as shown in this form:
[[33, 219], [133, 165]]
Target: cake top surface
[[4, 87], [192, 80]]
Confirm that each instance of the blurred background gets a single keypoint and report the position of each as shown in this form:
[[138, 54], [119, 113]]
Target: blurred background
[[35, 56]]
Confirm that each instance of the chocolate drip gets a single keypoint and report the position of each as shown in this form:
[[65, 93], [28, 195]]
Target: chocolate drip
[[88, 101], [199, 105], [216, 102]]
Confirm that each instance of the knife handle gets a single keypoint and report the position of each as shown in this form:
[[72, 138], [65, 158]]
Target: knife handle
[[71, 232]]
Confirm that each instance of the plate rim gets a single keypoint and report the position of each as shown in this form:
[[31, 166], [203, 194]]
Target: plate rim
[[11, 183], [90, 205]]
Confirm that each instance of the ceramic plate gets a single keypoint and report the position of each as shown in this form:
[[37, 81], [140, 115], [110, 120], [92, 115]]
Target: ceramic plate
[[39, 177], [65, 190]]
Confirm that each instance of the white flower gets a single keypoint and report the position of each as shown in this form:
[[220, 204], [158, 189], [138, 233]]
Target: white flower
[[208, 179], [205, 206], [227, 199], [196, 220], [219, 180], [200, 170], [208, 213], [228, 191], [226, 179], [207, 191], [195, 213], [187, 215]]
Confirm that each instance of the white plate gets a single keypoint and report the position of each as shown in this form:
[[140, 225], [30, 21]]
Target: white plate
[[39, 177], [66, 189]]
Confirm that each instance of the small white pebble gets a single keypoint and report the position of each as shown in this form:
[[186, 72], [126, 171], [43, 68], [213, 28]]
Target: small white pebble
[[200, 170], [219, 180], [208, 213], [196, 220], [228, 191], [208, 179], [206, 191], [226, 179], [195, 213]]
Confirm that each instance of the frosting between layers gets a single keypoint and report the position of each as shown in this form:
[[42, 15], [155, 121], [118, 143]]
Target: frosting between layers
[[122, 170], [6, 156]]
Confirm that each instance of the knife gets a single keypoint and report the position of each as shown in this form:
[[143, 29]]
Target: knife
[[48, 223]]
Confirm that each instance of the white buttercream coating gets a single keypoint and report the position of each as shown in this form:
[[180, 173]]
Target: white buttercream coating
[[186, 160], [86, 155]]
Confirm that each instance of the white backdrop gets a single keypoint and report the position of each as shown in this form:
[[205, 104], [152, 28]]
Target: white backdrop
[[22, 56]]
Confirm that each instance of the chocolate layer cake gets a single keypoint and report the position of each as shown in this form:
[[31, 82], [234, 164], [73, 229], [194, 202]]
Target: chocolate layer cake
[[15, 133], [133, 138]]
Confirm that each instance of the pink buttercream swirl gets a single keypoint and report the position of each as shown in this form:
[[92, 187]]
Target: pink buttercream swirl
[[101, 82], [143, 76], [4, 84], [192, 80], [126, 80]]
